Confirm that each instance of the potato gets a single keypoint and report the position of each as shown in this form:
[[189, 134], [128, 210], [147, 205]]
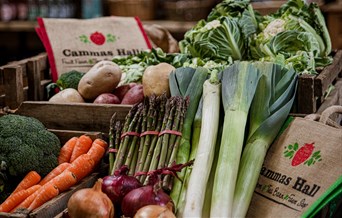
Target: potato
[[68, 95], [121, 91], [155, 79], [107, 98], [103, 77], [134, 95]]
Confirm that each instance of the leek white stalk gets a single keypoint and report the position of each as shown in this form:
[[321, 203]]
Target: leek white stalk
[[199, 176], [239, 82], [271, 105]]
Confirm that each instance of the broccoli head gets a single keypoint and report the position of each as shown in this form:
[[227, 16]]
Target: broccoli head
[[69, 79], [25, 145]]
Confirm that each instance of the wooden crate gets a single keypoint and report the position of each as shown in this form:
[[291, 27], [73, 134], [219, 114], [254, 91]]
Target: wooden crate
[[74, 116], [311, 88], [24, 80]]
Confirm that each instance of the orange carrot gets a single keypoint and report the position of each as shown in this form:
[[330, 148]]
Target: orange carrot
[[46, 193], [63, 181], [66, 150], [31, 178], [97, 150], [55, 172], [101, 142], [15, 199], [26, 203], [82, 166], [82, 146]]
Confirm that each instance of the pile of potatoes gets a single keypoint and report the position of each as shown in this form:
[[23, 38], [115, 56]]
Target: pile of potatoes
[[100, 85]]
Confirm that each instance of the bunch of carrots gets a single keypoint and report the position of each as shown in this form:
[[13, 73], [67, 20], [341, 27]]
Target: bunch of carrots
[[77, 159]]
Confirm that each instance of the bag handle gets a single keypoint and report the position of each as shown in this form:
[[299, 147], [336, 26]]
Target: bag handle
[[329, 111], [325, 116]]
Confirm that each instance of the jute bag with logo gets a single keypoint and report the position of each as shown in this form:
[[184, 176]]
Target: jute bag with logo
[[302, 171], [77, 44]]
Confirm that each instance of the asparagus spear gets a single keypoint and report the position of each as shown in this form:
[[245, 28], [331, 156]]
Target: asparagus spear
[[111, 155], [134, 139], [130, 122]]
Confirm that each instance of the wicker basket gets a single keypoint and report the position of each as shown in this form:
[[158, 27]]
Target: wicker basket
[[144, 9]]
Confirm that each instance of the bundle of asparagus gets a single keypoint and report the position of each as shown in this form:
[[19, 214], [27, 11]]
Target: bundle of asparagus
[[149, 137]]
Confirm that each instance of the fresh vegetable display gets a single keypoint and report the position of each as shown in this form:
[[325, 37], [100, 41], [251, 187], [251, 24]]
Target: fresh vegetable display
[[25, 145], [201, 122], [78, 158]]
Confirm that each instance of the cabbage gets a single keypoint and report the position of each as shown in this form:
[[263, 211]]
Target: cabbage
[[224, 35], [295, 29]]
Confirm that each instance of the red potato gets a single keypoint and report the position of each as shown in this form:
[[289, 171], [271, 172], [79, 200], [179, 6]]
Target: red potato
[[121, 91], [107, 98], [134, 95]]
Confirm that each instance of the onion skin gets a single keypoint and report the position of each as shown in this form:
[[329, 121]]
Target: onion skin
[[90, 203], [154, 211], [146, 195], [118, 185]]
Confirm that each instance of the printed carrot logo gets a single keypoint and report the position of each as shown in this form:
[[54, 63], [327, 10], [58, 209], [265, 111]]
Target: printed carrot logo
[[98, 38], [304, 154]]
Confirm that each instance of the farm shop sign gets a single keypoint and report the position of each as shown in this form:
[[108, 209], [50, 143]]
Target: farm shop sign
[[291, 199], [82, 53], [89, 58], [77, 44]]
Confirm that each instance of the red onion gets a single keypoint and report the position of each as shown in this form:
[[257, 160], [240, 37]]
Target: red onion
[[147, 195], [118, 185], [152, 193]]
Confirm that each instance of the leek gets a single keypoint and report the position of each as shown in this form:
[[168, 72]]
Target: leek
[[196, 131], [186, 82], [199, 176], [270, 107], [239, 82]]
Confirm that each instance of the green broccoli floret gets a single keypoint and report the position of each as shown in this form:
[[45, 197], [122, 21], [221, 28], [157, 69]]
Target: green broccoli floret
[[69, 79], [25, 145]]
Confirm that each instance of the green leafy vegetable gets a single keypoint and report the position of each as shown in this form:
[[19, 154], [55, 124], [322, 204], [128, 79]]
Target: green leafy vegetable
[[270, 108]]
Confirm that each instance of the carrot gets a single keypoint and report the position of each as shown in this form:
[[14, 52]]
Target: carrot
[[82, 166], [63, 181], [26, 203], [15, 199], [97, 150], [82, 146], [46, 193], [31, 178], [66, 150], [101, 142], [55, 172]]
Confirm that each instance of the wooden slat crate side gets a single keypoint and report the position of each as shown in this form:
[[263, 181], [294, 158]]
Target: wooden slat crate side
[[74, 116], [14, 215], [306, 100], [328, 75], [65, 135], [35, 77], [14, 87]]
